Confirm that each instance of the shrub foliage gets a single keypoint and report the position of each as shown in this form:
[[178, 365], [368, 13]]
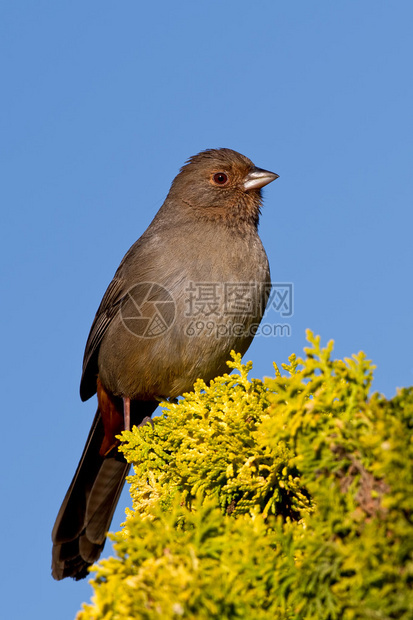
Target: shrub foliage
[[289, 498]]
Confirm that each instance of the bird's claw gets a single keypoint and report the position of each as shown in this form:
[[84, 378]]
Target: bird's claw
[[146, 420]]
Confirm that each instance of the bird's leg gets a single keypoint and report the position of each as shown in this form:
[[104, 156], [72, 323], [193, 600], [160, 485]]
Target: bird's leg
[[126, 412]]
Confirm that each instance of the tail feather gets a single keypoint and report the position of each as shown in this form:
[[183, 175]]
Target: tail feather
[[103, 498], [79, 533]]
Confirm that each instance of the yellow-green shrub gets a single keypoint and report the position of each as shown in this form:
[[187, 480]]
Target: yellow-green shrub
[[290, 498]]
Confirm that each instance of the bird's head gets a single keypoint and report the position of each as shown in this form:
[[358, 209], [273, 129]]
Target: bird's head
[[221, 184]]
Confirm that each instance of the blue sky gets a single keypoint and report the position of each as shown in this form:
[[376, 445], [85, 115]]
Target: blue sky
[[102, 102]]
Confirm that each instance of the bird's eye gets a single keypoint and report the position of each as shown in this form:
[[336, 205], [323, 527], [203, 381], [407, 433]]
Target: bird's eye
[[220, 178]]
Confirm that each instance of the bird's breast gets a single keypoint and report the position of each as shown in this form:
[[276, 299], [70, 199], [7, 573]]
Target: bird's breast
[[184, 311]]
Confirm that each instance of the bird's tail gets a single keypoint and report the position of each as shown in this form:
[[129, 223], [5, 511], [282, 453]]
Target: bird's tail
[[79, 533]]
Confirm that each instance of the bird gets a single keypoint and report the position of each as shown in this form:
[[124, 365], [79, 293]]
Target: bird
[[190, 290]]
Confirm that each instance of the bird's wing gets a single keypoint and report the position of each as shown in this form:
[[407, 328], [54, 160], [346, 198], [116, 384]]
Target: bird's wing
[[108, 308]]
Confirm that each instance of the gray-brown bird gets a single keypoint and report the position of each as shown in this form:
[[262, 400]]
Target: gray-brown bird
[[191, 289]]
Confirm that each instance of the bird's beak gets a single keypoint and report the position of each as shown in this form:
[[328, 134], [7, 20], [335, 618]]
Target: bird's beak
[[258, 178]]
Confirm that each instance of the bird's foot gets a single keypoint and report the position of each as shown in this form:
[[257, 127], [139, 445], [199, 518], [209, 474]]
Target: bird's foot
[[146, 420]]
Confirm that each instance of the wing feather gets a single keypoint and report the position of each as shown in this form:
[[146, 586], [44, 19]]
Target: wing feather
[[108, 308]]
